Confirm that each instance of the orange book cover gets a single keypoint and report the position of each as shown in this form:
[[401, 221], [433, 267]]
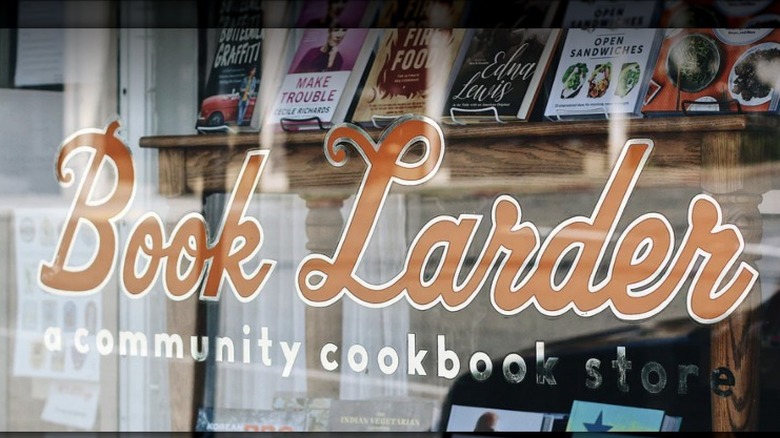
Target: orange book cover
[[409, 74], [716, 70]]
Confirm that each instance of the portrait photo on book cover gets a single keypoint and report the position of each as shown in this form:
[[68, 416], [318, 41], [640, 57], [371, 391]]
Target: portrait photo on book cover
[[333, 49]]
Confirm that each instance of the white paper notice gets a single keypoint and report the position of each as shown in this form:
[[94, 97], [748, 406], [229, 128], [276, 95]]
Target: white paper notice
[[39, 53], [36, 232], [72, 404]]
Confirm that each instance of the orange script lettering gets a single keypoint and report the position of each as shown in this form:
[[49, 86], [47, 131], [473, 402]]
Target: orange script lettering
[[645, 272], [147, 252]]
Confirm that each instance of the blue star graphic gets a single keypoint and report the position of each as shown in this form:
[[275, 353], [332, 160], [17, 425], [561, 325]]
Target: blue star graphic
[[598, 426]]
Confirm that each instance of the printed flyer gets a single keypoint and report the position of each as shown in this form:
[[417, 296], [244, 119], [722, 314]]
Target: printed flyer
[[246, 420], [36, 235]]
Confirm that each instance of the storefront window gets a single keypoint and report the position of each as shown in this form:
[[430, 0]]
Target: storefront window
[[389, 216]]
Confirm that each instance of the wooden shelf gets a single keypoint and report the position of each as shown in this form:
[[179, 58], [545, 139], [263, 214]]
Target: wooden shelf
[[517, 157], [736, 122]]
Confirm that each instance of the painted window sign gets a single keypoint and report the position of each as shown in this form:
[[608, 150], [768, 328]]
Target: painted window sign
[[645, 271]]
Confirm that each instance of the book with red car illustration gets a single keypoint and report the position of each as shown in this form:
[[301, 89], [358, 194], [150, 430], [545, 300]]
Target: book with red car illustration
[[230, 95]]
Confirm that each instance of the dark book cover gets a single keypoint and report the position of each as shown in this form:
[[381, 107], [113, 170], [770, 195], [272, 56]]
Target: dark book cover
[[233, 82], [421, 13], [501, 74]]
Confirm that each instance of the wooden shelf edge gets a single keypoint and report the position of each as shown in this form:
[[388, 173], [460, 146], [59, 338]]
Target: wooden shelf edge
[[633, 127]]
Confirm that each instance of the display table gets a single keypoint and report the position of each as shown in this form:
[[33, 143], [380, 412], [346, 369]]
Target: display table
[[730, 157]]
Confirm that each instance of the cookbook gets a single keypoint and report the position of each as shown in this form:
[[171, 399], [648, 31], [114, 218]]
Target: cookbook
[[581, 14], [715, 71], [501, 74], [602, 73], [411, 73]]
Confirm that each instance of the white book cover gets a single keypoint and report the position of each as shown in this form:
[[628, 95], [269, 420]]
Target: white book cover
[[318, 83], [602, 72]]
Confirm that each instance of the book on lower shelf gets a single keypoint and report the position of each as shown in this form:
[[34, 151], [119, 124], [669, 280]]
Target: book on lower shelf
[[482, 419], [381, 415], [602, 73], [602, 417], [316, 409], [323, 77], [582, 14], [248, 420], [706, 71]]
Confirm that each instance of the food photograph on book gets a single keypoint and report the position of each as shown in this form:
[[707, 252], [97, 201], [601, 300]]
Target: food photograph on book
[[501, 75], [709, 71], [601, 73], [410, 74], [720, 13]]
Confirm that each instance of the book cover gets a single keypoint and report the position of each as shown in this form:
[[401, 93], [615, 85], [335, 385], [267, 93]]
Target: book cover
[[715, 70], [671, 424], [513, 14], [582, 14], [421, 13], [410, 74], [246, 420], [233, 82], [720, 14], [501, 74], [336, 13], [601, 417], [315, 90], [381, 415], [317, 409], [602, 72], [479, 419]]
